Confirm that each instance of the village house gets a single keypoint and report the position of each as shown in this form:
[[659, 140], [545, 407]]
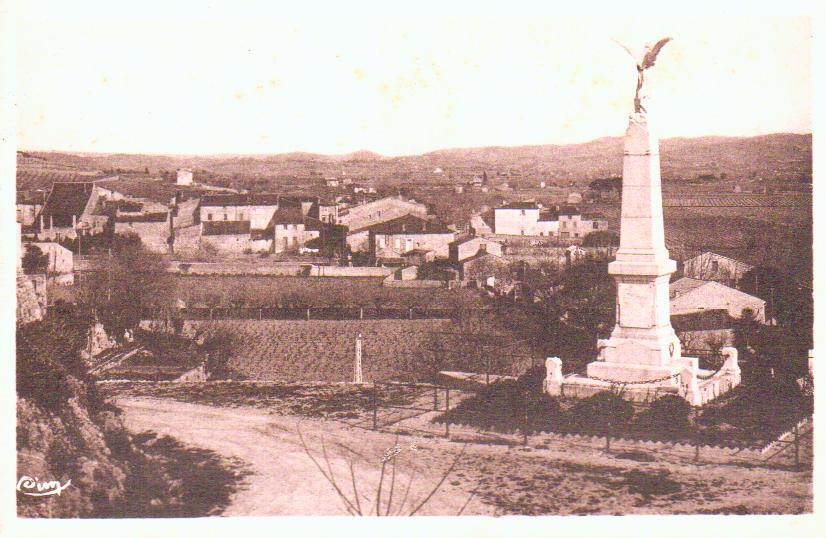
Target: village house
[[524, 218], [257, 209], [712, 266], [358, 217], [482, 224], [531, 219], [291, 229], [576, 225], [60, 262], [153, 229], [409, 232], [29, 204], [689, 295], [184, 177], [462, 249], [482, 269], [231, 236], [71, 209], [324, 211], [707, 330]]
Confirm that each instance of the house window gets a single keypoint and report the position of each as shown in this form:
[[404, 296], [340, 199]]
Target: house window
[[209, 216], [564, 224], [715, 265], [225, 216], [521, 232], [596, 225], [523, 212]]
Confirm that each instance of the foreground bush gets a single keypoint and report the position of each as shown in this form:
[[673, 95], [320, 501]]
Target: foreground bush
[[668, 415], [508, 406], [601, 413]]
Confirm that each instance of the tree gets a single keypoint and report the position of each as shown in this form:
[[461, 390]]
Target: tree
[[131, 284], [34, 260], [601, 238]]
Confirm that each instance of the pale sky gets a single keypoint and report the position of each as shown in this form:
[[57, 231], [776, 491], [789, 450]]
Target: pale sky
[[162, 78]]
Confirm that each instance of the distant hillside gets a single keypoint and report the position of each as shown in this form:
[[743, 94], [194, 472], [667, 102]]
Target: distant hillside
[[775, 156]]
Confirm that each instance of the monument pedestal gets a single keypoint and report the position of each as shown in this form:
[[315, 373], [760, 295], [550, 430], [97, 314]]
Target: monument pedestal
[[643, 353]]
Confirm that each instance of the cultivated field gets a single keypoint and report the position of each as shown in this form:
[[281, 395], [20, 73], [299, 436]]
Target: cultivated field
[[322, 350], [312, 291]]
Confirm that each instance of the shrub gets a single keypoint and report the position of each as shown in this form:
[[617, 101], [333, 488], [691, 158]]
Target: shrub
[[507, 406], [667, 415], [604, 411]]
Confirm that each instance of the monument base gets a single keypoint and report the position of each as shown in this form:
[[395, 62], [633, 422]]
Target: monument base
[[645, 382]]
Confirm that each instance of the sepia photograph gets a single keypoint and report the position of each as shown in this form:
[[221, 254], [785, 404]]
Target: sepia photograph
[[286, 261]]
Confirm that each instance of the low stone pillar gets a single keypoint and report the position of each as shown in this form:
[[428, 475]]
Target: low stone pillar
[[730, 366], [690, 387], [602, 343], [553, 376]]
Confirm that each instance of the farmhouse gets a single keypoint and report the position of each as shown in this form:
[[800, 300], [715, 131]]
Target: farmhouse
[[403, 234], [688, 295], [712, 266]]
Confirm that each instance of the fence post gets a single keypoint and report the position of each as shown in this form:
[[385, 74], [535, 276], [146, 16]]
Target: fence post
[[696, 435], [796, 447], [608, 439], [260, 313], [308, 314], [525, 423], [375, 406], [447, 408], [435, 397]]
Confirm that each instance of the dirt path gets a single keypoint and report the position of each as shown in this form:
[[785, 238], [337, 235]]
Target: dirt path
[[563, 478], [284, 479]]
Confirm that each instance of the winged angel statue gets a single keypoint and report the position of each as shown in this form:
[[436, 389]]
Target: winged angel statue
[[644, 61]]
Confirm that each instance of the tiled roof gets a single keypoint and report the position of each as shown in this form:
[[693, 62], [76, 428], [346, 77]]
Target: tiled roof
[[707, 320], [64, 201], [684, 285], [226, 227], [312, 224], [223, 200], [287, 215], [31, 197], [568, 210], [548, 216], [143, 217], [519, 205], [408, 224], [593, 216]]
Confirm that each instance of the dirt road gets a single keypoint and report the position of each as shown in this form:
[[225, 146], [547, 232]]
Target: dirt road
[[560, 479], [284, 479]]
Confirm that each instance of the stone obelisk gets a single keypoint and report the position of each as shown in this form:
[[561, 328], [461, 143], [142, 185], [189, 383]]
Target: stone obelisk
[[643, 345]]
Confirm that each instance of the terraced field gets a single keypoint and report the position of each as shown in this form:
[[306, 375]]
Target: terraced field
[[321, 350]]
